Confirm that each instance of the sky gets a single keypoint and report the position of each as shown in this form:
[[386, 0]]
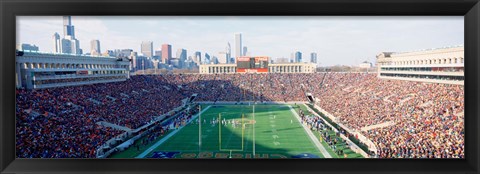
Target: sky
[[336, 40]]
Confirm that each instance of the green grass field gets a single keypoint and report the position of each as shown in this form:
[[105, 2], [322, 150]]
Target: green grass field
[[278, 134]]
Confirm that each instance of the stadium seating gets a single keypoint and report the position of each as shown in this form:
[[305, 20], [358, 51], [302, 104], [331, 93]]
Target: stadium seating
[[404, 119]]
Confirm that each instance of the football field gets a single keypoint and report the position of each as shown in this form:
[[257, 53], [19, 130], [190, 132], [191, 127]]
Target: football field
[[237, 131]]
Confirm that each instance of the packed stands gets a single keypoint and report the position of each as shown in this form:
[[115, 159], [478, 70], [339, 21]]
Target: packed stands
[[404, 119]]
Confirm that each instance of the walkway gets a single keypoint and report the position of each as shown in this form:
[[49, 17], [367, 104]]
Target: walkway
[[381, 125]]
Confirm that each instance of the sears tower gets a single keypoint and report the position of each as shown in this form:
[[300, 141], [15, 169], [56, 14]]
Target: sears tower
[[70, 44], [68, 28]]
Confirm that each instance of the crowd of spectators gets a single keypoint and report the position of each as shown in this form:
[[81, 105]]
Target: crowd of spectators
[[246, 87], [160, 128], [61, 122], [404, 119]]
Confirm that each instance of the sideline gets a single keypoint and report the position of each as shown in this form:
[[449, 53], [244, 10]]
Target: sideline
[[161, 141], [310, 134]]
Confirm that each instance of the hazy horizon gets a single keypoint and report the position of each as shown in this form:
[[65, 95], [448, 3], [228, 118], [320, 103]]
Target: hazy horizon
[[336, 40]]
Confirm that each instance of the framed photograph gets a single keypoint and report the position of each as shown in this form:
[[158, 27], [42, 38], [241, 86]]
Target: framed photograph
[[239, 86]]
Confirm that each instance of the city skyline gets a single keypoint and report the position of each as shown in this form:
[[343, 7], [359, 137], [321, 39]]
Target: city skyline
[[339, 40]]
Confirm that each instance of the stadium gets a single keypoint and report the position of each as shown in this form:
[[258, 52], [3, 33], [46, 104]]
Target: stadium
[[113, 114]]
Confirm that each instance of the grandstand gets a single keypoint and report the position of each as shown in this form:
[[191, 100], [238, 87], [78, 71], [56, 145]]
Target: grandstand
[[351, 114]]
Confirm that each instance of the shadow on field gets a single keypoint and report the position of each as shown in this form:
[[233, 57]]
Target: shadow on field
[[220, 91]]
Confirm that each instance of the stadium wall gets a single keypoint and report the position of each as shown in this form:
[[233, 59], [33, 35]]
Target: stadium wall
[[452, 82], [126, 139], [352, 146], [360, 136]]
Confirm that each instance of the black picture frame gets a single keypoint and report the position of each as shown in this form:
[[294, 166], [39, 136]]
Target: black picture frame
[[9, 9]]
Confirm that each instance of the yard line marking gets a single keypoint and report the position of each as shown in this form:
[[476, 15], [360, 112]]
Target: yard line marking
[[161, 141], [310, 134]]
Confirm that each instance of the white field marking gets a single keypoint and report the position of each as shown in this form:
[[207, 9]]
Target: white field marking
[[161, 141], [274, 131], [276, 143], [312, 137]]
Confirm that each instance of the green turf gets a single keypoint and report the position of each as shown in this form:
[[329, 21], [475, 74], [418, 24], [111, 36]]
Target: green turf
[[277, 134], [348, 151], [132, 152], [283, 140]]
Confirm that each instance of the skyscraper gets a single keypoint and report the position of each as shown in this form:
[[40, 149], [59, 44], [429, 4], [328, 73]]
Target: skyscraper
[[166, 53], [158, 52], [147, 48], [68, 28], [244, 51], [207, 59], [214, 60], [69, 44], [238, 45], [313, 57], [95, 47], [228, 52], [298, 56], [158, 55], [182, 56], [222, 57], [57, 44], [198, 58], [122, 52]]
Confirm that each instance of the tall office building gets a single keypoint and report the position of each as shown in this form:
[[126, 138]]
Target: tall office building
[[57, 44], [166, 53], [298, 57], [157, 55], [158, 52], [68, 28], [228, 52], [95, 47], [189, 64], [238, 45], [69, 43], [182, 56], [222, 57], [197, 58], [122, 52], [245, 50], [133, 61], [147, 48], [214, 60], [207, 59], [313, 57]]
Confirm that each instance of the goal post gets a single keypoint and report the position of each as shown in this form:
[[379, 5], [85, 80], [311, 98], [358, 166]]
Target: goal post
[[234, 122]]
